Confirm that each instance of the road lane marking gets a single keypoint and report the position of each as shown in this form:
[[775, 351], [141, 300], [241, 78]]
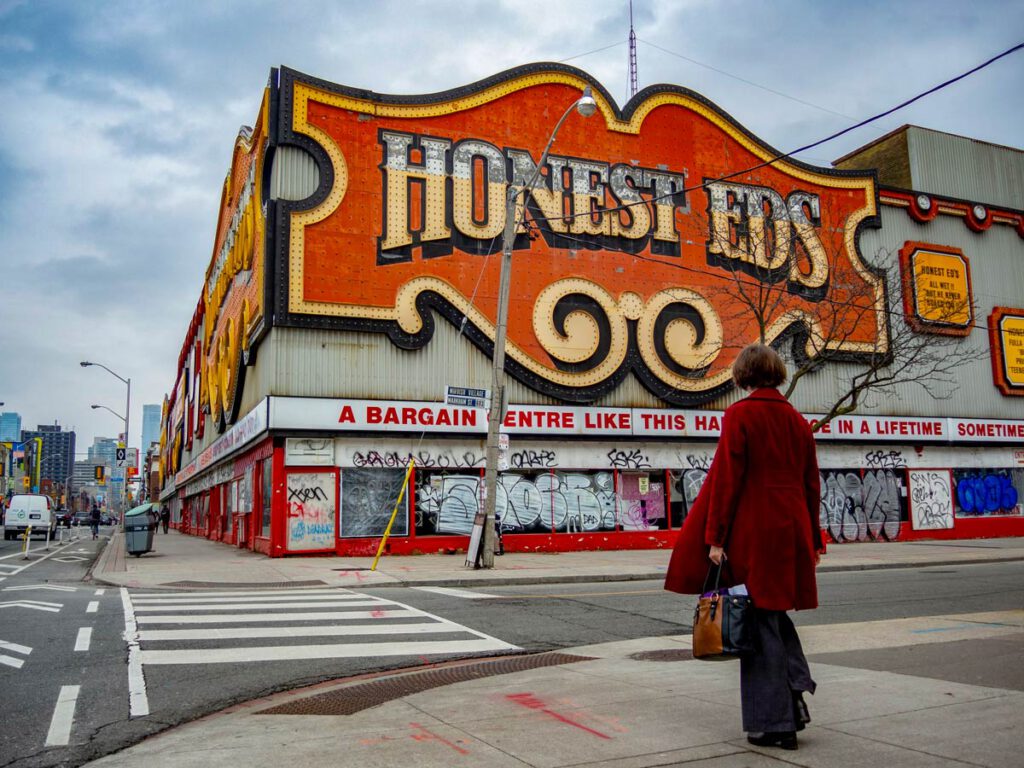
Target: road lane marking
[[336, 651], [37, 605], [451, 592], [234, 633], [138, 701], [99, 592], [63, 716], [93, 606], [54, 587], [84, 639], [11, 661]]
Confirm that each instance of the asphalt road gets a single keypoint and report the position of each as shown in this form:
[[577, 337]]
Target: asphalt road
[[199, 652]]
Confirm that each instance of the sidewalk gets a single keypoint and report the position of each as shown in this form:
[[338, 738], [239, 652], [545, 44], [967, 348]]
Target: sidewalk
[[181, 562], [935, 692], [634, 704]]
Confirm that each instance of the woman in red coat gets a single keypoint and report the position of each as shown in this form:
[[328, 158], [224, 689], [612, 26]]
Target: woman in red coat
[[758, 510]]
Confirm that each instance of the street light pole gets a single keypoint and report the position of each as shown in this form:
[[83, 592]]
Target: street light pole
[[127, 415], [586, 106]]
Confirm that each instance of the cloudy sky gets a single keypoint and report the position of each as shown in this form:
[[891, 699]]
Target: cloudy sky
[[118, 119]]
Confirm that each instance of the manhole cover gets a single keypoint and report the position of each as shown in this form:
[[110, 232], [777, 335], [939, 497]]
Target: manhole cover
[[667, 654], [356, 698]]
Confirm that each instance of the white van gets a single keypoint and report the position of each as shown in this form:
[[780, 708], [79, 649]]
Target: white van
[[29, 509]]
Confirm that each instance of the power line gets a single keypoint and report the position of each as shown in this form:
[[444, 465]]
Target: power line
[[744, 80], [785, 155], [588, 53]]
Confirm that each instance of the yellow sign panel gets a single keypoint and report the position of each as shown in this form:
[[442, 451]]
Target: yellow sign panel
[[1011, 331], [941, 288]]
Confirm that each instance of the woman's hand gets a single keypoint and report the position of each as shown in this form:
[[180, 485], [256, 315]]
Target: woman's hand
[[716, 555]]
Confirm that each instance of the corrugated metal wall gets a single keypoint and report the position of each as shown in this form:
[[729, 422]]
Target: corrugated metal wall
[[294, 175], [997, 274], [957, 166]]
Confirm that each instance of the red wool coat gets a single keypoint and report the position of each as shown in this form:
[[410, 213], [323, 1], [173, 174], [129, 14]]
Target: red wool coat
[[762, 492]]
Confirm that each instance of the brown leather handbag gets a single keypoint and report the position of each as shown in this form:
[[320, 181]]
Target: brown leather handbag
[[723, 624]]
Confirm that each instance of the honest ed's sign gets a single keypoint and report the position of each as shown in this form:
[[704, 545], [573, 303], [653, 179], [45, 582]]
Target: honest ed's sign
[[634, 243]]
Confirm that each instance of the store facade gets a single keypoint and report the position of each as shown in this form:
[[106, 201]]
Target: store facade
[[347, 320]]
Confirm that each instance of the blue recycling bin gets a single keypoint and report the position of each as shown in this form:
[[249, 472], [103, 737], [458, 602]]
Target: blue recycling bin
[[139, 524]]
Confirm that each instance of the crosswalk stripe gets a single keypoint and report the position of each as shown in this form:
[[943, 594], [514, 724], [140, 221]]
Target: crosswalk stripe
[[241, 600], [333, 651], [264, 617], [257, 606], [10, 661], [338, 591], [233, 633], [452, 592]]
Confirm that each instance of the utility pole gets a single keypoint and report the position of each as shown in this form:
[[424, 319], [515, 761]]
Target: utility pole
[[586, 106], [632, 54]]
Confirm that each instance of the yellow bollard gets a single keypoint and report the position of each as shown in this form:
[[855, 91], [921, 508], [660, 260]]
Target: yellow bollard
[[394, 513]]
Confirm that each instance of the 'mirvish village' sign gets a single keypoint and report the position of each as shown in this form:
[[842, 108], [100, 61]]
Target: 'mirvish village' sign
[[635, 245]]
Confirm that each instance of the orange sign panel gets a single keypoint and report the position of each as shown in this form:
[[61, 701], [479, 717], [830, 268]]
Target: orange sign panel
[[1006, 328], [637, 246], [937, 289]]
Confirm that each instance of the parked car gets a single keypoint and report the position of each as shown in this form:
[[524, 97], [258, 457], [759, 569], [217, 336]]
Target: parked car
[[107, 519], [64, 517], [82, 518]]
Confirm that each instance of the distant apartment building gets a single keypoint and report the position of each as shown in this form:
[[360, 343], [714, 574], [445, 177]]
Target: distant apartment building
[[57, 455], [10, 427]]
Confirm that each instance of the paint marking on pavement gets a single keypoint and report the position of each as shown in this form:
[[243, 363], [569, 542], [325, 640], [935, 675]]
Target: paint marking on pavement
[[93, 606], [63, 716], [451, 592], [54, 587], [84, 639], [336, 651], [99, 592], [11, 661], [138, 701], [37, 605]]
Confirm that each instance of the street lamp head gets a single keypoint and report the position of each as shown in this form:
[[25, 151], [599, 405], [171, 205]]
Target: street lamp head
[[85, 364], [94, 407], [586, 106]]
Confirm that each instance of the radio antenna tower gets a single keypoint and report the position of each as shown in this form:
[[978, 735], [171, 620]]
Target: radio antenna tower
[[632, 54]]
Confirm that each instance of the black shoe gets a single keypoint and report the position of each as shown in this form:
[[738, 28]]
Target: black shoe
[[783, 739]]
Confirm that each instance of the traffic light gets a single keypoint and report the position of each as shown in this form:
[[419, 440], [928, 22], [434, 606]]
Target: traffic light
[[99, 470]]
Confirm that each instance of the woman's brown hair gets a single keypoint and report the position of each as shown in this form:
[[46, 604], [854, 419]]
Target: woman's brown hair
[[757, 366]]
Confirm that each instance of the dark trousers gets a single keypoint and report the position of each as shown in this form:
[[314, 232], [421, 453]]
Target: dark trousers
[[770, 677]]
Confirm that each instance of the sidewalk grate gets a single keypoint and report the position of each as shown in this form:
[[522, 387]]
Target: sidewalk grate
[[243, 584], [355, 698], [668, 654]]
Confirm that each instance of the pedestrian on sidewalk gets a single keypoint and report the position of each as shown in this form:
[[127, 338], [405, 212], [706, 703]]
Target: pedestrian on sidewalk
[[758, 513], [165, 518]]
